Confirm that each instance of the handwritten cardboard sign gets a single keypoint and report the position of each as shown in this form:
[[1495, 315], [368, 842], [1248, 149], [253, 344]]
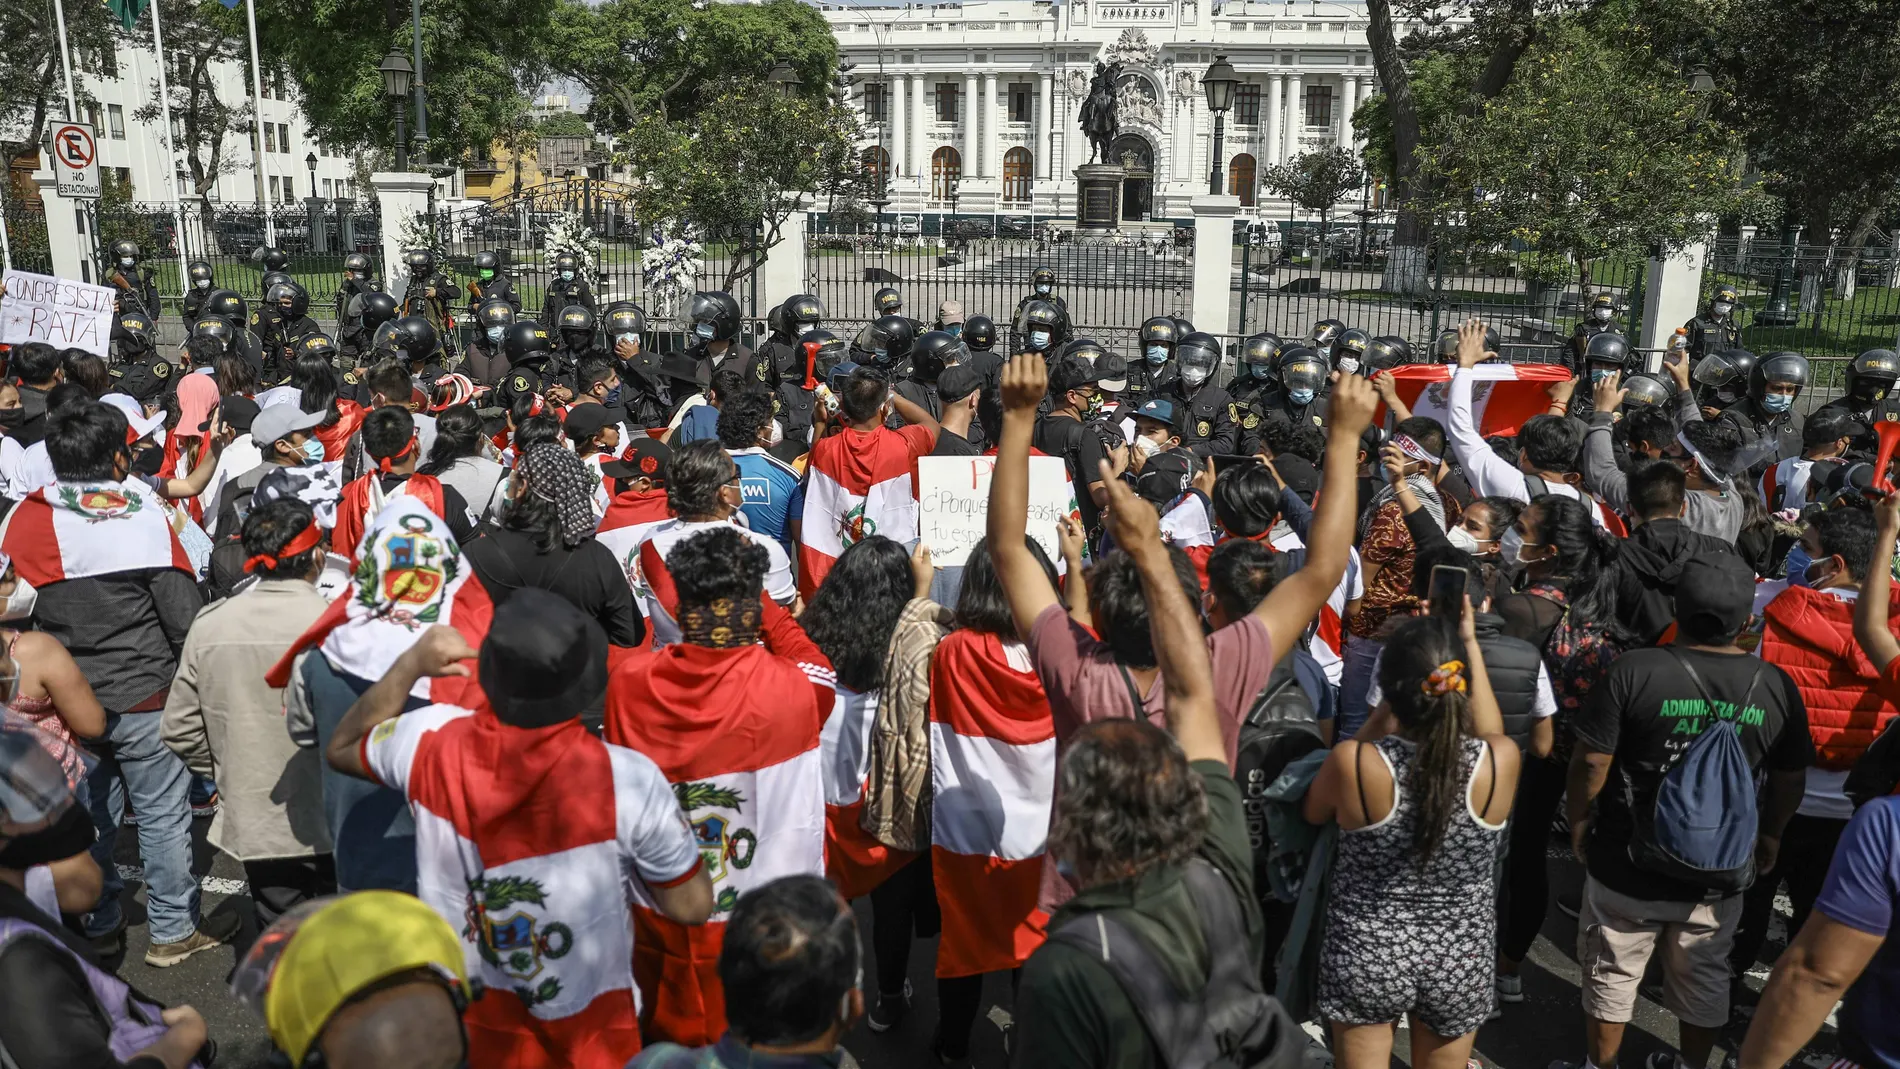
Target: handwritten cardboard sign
[[62, 312], [953, 504]]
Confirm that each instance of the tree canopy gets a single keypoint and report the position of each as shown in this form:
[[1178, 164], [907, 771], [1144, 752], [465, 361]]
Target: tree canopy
[[1316, 180], [32, 85]]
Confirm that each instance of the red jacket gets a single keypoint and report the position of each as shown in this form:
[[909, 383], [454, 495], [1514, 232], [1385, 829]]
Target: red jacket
[[1810, 635]]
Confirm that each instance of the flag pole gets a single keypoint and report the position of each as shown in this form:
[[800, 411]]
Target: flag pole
[[66, 61], [257, 109], [171, 154]]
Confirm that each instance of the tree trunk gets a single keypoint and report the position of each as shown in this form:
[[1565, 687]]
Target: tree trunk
[[1847, 269], [1405, 265]]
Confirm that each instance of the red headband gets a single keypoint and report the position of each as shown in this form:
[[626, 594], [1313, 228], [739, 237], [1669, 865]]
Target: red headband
[[384, 465], [304, 541]]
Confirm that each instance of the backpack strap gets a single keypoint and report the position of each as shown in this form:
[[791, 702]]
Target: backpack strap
[[1134, 695], [1707, 700]]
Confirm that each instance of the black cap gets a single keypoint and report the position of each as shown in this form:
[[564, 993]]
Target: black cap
[[1714, 595], [958, 382], [1114, 370], [1298, 475], [1072, 373], [643, 457], [543, 662], [1165, 476], [587, 420], [237, 410], [1829, 426], [144, 381]]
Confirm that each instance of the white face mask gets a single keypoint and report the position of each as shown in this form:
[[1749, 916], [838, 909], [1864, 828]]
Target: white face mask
[[127, 261], [1722, 308], [1348, 365], [1147, 447], [1193, 376], [1462, 539], [628, 337], [495, 333], [20, 603], [203, 283], [774, 434], [1038, 339]]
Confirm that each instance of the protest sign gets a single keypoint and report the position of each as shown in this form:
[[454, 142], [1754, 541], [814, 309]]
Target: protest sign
[[58, 311], [953, 504]]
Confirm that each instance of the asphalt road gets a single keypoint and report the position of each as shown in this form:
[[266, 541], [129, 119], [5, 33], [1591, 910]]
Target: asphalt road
[[1546, 1026]]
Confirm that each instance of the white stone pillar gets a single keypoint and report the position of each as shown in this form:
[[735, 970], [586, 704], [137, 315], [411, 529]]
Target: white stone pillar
[[1214, 261], [896, 97], [1295, 116], [1674, 286], [970, 145], [1348, 99], [783, 272], [64, 241], [400, 195], [991, 168], [1045, 124], [1276, 120], [918, 122]]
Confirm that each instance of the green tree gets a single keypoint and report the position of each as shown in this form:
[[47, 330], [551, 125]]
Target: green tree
[[32, 84], [1317, 180], [736, 165], [206, 119], [563, 124], [642, 58], [1595, 148]]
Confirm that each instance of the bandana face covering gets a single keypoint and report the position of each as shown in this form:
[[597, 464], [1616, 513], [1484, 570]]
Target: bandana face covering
[[723, 624]]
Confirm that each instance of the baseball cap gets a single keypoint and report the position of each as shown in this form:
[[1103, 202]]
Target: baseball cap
[[1072, 373], [1114, 371], [137, 421], [648, 457], [322, 954], [1165, 475], [586, 420], [1159, 410], [1714, 595], [1824, 426], [278, 421], [197, 396], [239, 411], [1298, 475], [33, 789], [950, 312], [958, 382]]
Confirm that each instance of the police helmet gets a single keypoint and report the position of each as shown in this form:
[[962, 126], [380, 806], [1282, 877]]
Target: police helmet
[[887, 301], [1871, 375], [487, 261], [1160, 330], [1351, 345], [1257, 356], [318, 345], [1602, 308], [566, 264], [1778, 367], [525, 342], [1199, 354], [933, 352], [282, 291], [1038, 325], [1727, 370], [1182, 328], [494, 317], [274, 278], [276, 259], [979, 333], [820, 351], [420, 262], [378, 308], [1082, 349], [1723, 295], [624, 318], [1043, 279], [1301, 368], [356, 264], [125, 250], [411, 338], [199, 272], [802, 313], [1386, 352], [1644, 390], [885, 341], [576, 320], [1606, 348], [134, 329], [1324, 334], [228, 304], [1447, 344], [714, 315], [214, 326]]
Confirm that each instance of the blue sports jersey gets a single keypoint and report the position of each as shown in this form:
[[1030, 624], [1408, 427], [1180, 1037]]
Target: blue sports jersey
[[767, 484]]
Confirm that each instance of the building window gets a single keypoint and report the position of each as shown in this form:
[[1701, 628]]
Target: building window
[[877, 166], [946, 102], [1240, 181], [124, 174], [290, 190], [270, 138], [1019, 170], [874, 102], [1021, 102], [115, 119], [92, 118], [329, 189], [283, 137], [1247, 104], [1319, 106], [276, 188], [946, 170], [184, 181]]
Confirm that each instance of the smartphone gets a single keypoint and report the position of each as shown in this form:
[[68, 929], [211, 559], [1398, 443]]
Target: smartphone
[[1448, 591], [1223, 461]]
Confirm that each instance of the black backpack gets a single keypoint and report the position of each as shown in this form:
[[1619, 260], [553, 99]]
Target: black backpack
[[1278, 730], [1231, 1022]]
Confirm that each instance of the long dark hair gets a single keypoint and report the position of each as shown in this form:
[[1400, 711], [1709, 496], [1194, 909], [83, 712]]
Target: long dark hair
[[458, 434], [1438, 723], [981, 603], [1584, 552], [316, 382], [855, 611]]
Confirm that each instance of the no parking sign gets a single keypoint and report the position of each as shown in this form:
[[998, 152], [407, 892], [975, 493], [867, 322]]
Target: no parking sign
[[76, 161]]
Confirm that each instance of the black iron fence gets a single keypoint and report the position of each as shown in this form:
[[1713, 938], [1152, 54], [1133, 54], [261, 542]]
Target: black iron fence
[[26, 238], [1824, 301]]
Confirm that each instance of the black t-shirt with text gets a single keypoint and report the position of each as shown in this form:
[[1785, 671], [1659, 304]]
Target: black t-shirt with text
[[1647, 712], [1079, 447]]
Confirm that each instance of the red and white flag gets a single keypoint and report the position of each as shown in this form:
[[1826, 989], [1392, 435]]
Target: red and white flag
[[412, 576], [1503, 396], [993, 777], [736, 732], [857, 485], [854, 859], [81, 529]]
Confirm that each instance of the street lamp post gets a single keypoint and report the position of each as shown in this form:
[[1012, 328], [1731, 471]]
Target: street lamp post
[[783, 77], [314, 207], [1219, 83], [396, 73]]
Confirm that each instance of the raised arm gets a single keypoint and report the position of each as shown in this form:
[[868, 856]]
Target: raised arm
[[1600, 473], [1490, 475], [1870, 610], [1388, 386], [1180, 648], [1025, 381], [441, 651]]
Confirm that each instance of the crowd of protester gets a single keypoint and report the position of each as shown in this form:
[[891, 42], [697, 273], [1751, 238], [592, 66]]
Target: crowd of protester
[[558, 696]]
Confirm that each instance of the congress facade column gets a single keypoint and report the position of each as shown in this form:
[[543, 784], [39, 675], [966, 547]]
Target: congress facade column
[[895, 98], [1348, 100], [1276, 125], [990, 168], [971, 132], [1045, 124], [1295, 116]]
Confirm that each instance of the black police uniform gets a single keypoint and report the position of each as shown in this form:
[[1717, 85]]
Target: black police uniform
[[135, 285], [1756, 424], [195, 302], [1277, 406], [562, 293], [1213, 418], [780, 353], [921, 394], [565, 364], [1580, 341], [417, 302], [1708, 334], [351, 289], [522, 378], [755, 367], [282, 346], [499, 288]]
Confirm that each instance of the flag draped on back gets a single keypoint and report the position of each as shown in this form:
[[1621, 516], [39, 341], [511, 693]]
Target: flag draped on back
[[1502, 398], [411, 577], [854, 860], [993, 774], [857, 485], [73, 530]]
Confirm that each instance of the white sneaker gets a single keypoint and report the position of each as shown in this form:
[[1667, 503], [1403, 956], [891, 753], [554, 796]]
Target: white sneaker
[[1510, 987]]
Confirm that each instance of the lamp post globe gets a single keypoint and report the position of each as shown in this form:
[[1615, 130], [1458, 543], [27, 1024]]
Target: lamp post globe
[[397, 75], [1218, 83]]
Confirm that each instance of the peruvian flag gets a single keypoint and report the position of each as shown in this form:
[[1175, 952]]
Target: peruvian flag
[[993, 777], [857, 484], [854, 859], [629, 521], [81, 529], [412, 576], [1502, 398], [736, 732]]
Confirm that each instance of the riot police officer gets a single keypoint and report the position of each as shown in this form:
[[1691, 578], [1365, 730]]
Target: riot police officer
[[798, 316], [274, 259], [1717, 329], [264, 316], [1770, 430], [885, 343], [132, 339], [1299, 400], [713, 343], [134, 283], [1040, 329], [645, 395], [979, 340], [1082, 348], [1386, 352], [565, 286], [356, 283], [1042, 287], [887, 302], [244, 341], [491, 283], [428, 296], [483, 361], [1870, 397], [1324, 335], [576, 338], [199, 285], [1157, 336], [291, 325], [1212, 422], [221, 330], [1349, 352], [1721, 380], [413, 342], [930, 354], [354, 338], [1447, 345], [1603, 354], [1599, 318], [796, 401], [139, 368], [527, 347], [1252, 384]]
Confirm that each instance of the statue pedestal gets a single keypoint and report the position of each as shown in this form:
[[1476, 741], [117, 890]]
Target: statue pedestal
[[1098, 199]]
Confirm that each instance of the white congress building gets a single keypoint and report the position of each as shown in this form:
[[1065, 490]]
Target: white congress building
[[977, 103]]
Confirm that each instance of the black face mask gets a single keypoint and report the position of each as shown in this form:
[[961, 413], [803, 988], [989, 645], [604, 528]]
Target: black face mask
[[71, 834], [12, 417], [148, 461]]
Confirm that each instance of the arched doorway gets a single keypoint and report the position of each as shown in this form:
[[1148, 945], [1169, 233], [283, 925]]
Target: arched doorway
[[1018, 170], [946, 170], [1133, 152], [1240, 179], [876, 164]]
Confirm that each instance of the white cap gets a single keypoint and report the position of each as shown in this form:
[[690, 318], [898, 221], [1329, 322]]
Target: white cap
[[141, 423]]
